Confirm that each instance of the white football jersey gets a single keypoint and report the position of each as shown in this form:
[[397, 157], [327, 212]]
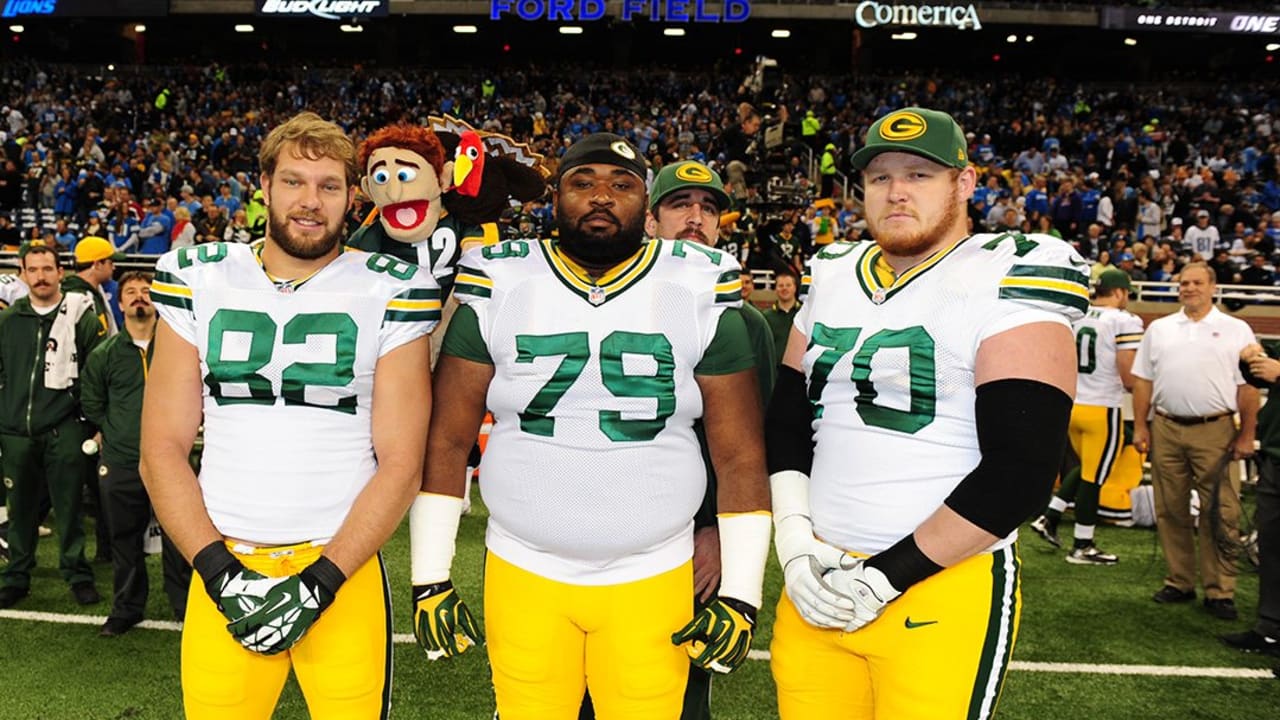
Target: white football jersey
[[592, 474], [891, 372], [288, 379], [1099, 334], [11, 288]]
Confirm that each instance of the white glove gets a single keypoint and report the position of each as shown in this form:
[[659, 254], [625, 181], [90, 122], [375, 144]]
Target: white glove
[[867, 587], [818, 603], [803, 557]]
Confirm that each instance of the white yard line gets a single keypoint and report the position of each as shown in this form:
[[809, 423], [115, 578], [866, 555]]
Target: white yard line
[[1051, 667]]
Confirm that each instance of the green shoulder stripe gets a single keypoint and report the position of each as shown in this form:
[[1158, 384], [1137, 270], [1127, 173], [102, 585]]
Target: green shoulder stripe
[[473, 281], [177, 301], [1045, 295], [408, 316], [168, 278], [1054, 272]]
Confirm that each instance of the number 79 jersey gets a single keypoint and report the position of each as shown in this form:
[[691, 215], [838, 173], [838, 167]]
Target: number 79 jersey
[[288, 379], [592, 473], [890, 372]]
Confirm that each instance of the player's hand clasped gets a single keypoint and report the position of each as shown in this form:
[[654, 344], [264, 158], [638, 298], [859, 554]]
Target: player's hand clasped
[[267, 615], [442, 623], [719, 635], [867, 587], [289, 608]]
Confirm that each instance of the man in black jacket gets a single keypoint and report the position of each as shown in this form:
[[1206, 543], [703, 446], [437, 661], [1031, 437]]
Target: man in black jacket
[[111, 394]]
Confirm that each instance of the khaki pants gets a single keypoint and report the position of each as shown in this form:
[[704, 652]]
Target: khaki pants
[[1181, 457]]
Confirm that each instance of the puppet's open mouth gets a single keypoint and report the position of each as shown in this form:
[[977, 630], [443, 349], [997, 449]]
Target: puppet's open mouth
[[406, 215]]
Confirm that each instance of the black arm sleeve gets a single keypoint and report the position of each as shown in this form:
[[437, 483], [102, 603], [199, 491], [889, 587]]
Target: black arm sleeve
[[1022, 430], [788, 424]]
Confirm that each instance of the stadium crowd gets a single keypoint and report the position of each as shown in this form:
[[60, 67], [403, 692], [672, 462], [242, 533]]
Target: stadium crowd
[[1141, 177]]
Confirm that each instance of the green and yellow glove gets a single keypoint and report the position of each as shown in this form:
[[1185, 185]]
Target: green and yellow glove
[[719, 635], [442, 623]]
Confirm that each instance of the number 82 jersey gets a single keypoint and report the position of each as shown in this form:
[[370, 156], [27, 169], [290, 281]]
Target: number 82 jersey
[[288, 379], [890, 371]]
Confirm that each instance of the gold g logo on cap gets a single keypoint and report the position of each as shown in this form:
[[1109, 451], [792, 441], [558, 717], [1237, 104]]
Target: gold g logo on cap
[[903, 126], [623, 149], [692, 172]]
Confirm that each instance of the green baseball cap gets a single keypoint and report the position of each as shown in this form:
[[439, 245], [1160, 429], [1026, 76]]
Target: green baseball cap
[[1112, 279], [928, 133], [684, 175]]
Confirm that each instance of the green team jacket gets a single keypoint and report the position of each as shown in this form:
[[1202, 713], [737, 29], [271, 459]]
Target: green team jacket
[[761, 337], [27, 407], [111, 395], [75, 283]]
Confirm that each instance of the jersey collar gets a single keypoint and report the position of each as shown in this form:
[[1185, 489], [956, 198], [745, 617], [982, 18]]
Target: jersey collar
[[877, 279], [607, 286]]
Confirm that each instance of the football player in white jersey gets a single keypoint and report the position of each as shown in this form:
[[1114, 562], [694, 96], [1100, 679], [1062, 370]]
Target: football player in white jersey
[[596, 353], [309, 367], [1107, 340], [920, 413], [11, 288]]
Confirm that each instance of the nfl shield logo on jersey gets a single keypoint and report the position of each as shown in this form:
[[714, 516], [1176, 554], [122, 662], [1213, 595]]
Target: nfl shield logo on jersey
[[596, 295]]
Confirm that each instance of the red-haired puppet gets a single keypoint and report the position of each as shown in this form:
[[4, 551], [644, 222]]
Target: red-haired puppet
[[440, 192], [406, 175]]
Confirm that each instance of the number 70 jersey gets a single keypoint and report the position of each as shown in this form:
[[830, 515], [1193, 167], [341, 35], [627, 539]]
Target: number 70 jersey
[[288, 379], [890, 371]]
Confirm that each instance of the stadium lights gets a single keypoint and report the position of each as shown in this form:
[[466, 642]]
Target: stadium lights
[[139, 28], [351, 28], [570, 30], [244, 28], [1011, 39], [465, 29], [16, 28], [1029, 38], [1272, 47], [1130, 42], [904, 36], [780, 34], [673, 32]]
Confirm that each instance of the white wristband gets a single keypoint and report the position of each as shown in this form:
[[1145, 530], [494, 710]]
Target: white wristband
[[790, 491], [433, 532], [790, 494], [744, 546]]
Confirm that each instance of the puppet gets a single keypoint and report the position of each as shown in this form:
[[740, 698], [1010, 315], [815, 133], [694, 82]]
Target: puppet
[[441, 191]]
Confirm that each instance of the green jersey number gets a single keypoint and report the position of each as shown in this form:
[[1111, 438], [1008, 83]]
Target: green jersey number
[[1087, 350], [575, 349], [503, 250], [1021, 243], [294, 379], [922, 373], [205, 253]]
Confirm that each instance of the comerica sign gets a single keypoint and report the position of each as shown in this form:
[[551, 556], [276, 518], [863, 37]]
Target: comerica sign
[[873, 14]]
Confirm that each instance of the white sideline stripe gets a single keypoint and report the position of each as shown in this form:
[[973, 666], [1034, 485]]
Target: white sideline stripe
[[1052, 667], [67, 619]]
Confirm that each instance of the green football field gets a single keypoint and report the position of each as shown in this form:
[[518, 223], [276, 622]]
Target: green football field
[[1092, 645]]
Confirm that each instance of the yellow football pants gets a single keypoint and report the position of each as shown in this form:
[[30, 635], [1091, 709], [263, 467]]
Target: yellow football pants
[[343, 663], [1096, 434], [938, 651], [548, 641]]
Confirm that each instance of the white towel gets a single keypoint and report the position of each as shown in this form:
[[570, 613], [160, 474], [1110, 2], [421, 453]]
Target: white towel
[[61, 361]]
